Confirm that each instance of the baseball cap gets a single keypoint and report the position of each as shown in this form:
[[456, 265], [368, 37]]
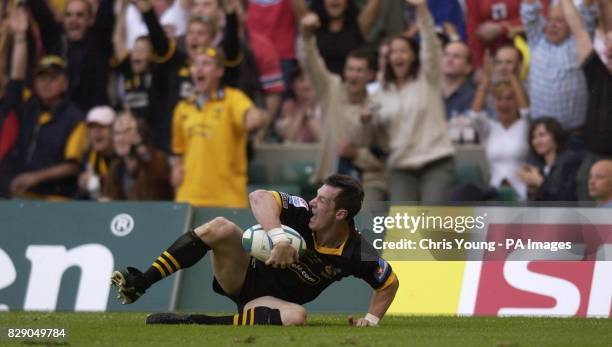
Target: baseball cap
[[103, 115], [51, 64]]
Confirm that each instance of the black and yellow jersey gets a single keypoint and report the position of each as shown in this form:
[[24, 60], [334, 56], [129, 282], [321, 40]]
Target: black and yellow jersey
[[319, 266]]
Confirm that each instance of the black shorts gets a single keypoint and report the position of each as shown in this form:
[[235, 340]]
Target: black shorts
[[259, 281]]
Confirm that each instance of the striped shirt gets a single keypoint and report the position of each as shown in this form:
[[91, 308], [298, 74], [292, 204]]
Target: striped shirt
[[557, 86]]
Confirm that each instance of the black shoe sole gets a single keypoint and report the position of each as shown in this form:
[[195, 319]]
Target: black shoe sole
[[169, 318]]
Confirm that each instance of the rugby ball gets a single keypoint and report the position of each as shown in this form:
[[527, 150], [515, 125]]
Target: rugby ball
[[256, 242]]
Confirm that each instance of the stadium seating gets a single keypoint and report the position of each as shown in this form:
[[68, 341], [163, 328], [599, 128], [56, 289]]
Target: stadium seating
[[469, 173], [297, 173]]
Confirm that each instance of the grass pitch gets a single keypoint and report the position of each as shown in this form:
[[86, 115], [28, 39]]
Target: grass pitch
[[128, 329]]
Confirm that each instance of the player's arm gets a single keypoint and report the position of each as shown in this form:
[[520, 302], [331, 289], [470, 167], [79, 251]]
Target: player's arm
[[266, 208], [380, 302]]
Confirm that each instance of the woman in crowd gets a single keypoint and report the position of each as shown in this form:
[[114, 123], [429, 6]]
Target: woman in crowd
[[140, 171], [551, 174], [343, 29], [410, 109], [504, 134], [301, 115]]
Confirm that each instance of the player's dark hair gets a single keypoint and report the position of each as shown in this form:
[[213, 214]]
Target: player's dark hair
[[351, 194]]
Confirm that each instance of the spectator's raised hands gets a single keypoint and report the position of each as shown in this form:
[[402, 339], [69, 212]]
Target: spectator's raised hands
[[487, 66], [489, 31], [19, 20], [142, 5], [416, 3], [232, 6], [309, 24]]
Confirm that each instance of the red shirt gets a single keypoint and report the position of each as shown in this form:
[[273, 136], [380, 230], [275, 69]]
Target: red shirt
[[498, 11], [274, 19], [268, 63]]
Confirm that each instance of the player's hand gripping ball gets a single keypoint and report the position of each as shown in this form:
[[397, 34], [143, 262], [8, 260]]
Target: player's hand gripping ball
[[256, 242]]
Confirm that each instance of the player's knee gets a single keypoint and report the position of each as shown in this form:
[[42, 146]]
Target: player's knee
[[215, 230], [294, 316]]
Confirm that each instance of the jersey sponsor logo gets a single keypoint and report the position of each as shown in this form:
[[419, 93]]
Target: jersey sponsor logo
[[305, 274], [198, 130], [381, 271], [297, 201], [330, 271], [284, 199]]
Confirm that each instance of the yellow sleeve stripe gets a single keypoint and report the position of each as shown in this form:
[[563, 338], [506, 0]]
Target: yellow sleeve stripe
[[277, 197], [160, 269], [77, 143], [388, 282], [163, 261], [252, 316], [168, 55], [172, 259]]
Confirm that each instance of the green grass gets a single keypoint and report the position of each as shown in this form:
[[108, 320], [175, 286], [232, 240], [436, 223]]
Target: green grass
[[128, 329]]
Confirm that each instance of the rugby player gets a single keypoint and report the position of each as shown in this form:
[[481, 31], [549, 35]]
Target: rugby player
[[272, 293]]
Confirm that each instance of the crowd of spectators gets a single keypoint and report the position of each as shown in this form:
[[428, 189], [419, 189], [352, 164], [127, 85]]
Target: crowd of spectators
[[165, 99]]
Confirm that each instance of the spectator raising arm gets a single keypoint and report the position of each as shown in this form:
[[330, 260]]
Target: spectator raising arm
[[477, 112], [163, 47], [310, 59], [605, 14], [254, 119], [120, 50], [5, 33], [29, 179], [19, 28], [232, 44], [533, 21], [431, 51], [103, 25], [581, 35], [50, 30], [299, 8], [367, 16]]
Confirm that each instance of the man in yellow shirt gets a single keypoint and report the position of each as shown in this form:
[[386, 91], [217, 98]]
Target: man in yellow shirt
[[209, 136]]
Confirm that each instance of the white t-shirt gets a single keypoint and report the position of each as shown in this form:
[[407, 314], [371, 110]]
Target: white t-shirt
[[135, 25], [506, 149]]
